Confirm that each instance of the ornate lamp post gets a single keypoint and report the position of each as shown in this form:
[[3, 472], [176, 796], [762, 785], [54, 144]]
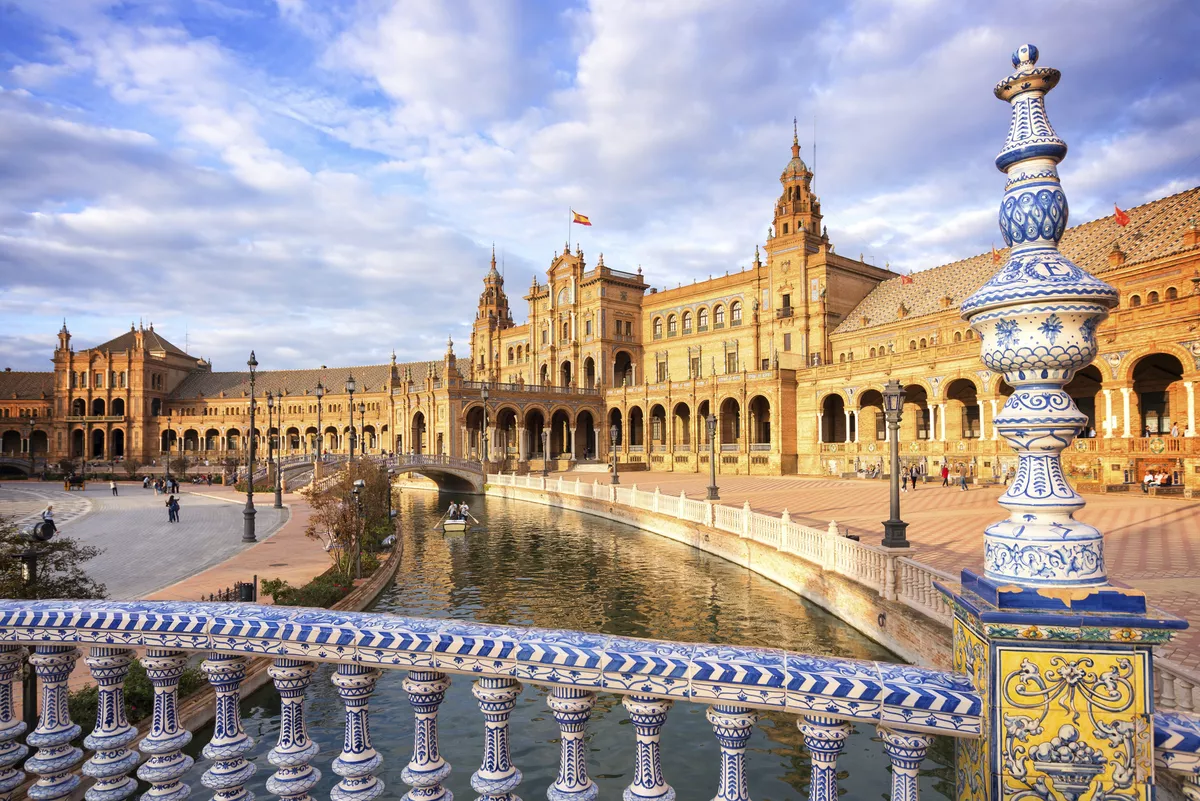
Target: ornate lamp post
[[320, 393], [613, 433], [27, 432], [483, 426], [894, 528], [170, 431], [711, 422], [248, 512], [350, 387], [545, 451], [270, 439]]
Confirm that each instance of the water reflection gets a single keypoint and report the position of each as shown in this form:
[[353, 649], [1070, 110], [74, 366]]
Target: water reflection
[[538, 566]]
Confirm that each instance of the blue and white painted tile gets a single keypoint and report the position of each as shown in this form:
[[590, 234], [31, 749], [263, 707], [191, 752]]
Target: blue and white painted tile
[[735, 674], [649, 667]]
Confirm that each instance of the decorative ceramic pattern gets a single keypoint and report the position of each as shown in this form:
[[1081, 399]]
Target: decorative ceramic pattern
[[113, 759], [165, 768], [762, 678], [11, 728], [1037, 320], [293, 751], [825, 738], [1073, 722], [229, 743], [359, 759], [572, 707], [648, 715], [497, 777], [906, 750], [426, 771], [732, 725], [55, 758]]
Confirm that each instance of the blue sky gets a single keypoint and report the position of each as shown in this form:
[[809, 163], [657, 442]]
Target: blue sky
[[323, 181]]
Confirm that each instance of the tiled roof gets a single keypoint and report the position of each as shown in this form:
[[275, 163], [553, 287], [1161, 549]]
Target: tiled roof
[[369, 378], [1155, 230], [26, 386], [152, 339]]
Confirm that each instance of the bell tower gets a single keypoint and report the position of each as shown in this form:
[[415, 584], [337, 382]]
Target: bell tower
[[492, 317], [797, 211]]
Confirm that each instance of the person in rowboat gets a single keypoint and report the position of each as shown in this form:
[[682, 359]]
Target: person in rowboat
[[452, 512]]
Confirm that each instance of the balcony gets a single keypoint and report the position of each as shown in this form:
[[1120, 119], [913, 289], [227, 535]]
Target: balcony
[[786, 311], [95, 418]]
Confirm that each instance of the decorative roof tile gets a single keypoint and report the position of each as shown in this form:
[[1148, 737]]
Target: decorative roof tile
[[26, 385]]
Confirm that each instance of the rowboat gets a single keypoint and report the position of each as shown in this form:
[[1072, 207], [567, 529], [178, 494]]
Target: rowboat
[[456, 525]]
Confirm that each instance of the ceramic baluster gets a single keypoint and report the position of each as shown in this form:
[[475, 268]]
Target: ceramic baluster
[[572, 707], [732, 725], [55, 757], [425, 772], [165, 768], [228, 776], [358, 760], [292, 753], [906, 750], [113, 759], [825, 738], [11, 728], [497, 777], [648, 715]]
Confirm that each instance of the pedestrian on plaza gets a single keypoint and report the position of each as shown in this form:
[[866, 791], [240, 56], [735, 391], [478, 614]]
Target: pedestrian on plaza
[[913, 476], [145, 482], [903, 480], [945, 474], [157, 487], [112, 484], [175, 508], [170, 504], [962, 478]]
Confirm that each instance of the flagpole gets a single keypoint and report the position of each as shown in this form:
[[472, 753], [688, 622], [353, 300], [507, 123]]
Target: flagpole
[[570, 219]]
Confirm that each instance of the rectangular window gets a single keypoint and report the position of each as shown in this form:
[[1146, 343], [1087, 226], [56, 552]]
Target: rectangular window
[[922, 424], [970, 422], [787, 301], [628, 328], [766, 299], [617, 326], [99, 380], [545, 336], [880, 426], [814, 290], [662, 372], [587, 327], [731, 362], [695, 367], [766, 364], [787, 340]]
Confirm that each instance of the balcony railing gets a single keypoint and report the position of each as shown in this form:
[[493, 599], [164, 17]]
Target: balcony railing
[[736, 683], [529, 388], [786, 311], [95, 418]]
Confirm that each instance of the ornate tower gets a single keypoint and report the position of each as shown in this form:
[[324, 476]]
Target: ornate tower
[[64, 338], [797, 211], [1062, 657], [492, 317]]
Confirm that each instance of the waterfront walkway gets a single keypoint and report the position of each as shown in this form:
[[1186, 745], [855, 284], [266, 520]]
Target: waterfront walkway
[[1150, 543]]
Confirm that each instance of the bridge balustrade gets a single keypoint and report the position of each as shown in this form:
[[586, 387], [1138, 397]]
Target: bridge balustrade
[[906, 704]]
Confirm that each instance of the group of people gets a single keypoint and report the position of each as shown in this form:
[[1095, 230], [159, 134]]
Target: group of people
[[458, 511], [1156, 478], [1174, 431], [172, 509], [160, 485]]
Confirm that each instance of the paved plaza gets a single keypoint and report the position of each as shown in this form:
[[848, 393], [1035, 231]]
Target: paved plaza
[[142, 552], [1150, 543]]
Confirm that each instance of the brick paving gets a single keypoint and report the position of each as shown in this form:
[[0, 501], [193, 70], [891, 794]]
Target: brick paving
[[1150, 543]]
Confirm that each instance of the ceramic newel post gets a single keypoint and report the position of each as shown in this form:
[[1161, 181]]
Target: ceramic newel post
[[1062, 655]]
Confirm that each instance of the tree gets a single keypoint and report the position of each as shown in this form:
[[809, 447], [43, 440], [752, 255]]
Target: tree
[[66, 467], [60, 572], [132, 466], [345, 524], [179, 465]]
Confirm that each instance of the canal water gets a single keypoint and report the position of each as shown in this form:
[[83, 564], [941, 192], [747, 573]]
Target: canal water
[[532, 565]]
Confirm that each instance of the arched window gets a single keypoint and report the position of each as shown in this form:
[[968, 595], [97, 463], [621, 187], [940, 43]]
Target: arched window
[[841, 357], [702, 319], [850, 356], [566, 329], [970, 334], [518, 353], [658, 328], [922, 342], [687, 322], [672, 325], [958, 336], [1135, 301], [872, 353], [1172, 293], [562, 297], [718, 316], [1152, 297], [912, 344], [735, 313], [510, 355]]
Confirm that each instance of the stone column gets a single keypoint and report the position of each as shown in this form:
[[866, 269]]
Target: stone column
[[522, 445], [1109, 423], [982, 420], [942, 421], [820, 427], [995, 431], [847, 413], [857, 424], [1191, 406], [1125, 410]]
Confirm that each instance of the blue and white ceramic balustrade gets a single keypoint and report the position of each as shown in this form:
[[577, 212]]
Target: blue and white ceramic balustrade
[[737, 684]]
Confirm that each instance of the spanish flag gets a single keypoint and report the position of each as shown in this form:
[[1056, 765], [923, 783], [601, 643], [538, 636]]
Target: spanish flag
[[576, 217], [1122, 217]]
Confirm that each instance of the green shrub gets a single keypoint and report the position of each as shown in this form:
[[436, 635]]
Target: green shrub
[[260, 487], [323, 591]]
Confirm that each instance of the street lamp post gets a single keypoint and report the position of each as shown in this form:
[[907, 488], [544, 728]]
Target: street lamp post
[[483, 443], [248, 512], [894, 527], [711, 422], [358, 485], [27, 430], [279, 456], [545, 452], [270, 439], [350, 387], [613, 433], [170, 431], [320, 393]]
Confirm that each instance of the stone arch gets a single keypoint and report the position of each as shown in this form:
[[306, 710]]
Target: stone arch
[[681, 425], [729, 423], [1084, 388], [116, 443], [833, 418], [760, 420], [118, 407], [565, 373], [98, 439], [1129, 362], [97, 407], [962, 409], [544, 375], [333, 440], [419, 438], [615, 418], [10, 443], [585, 430], [78, 443], [191, 440], [637, 427], [915, 422], [535, 424], [212, 440], [79, 407], [1158, 401], [39, 442], [155, 407], [622, 368], [870, 413], [658, 426], [589, 372]]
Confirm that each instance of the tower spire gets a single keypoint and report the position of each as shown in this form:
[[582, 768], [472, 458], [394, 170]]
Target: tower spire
[[795, 140]]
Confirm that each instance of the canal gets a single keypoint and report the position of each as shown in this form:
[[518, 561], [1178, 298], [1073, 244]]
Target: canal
[[532, 565]]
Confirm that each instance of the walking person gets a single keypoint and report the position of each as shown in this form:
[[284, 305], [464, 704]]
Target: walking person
[[916, 473], [903, 480], [175, 508], [171, 509], [113, 486], [945, 474], [962, 478]]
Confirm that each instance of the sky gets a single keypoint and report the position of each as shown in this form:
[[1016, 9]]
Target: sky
[[322, 181]]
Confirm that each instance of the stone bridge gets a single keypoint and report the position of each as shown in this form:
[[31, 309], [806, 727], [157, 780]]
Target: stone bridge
[[451, 473]]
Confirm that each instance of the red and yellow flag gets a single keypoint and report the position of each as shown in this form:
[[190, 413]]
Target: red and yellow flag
[[1122, 217], [576, 217]]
